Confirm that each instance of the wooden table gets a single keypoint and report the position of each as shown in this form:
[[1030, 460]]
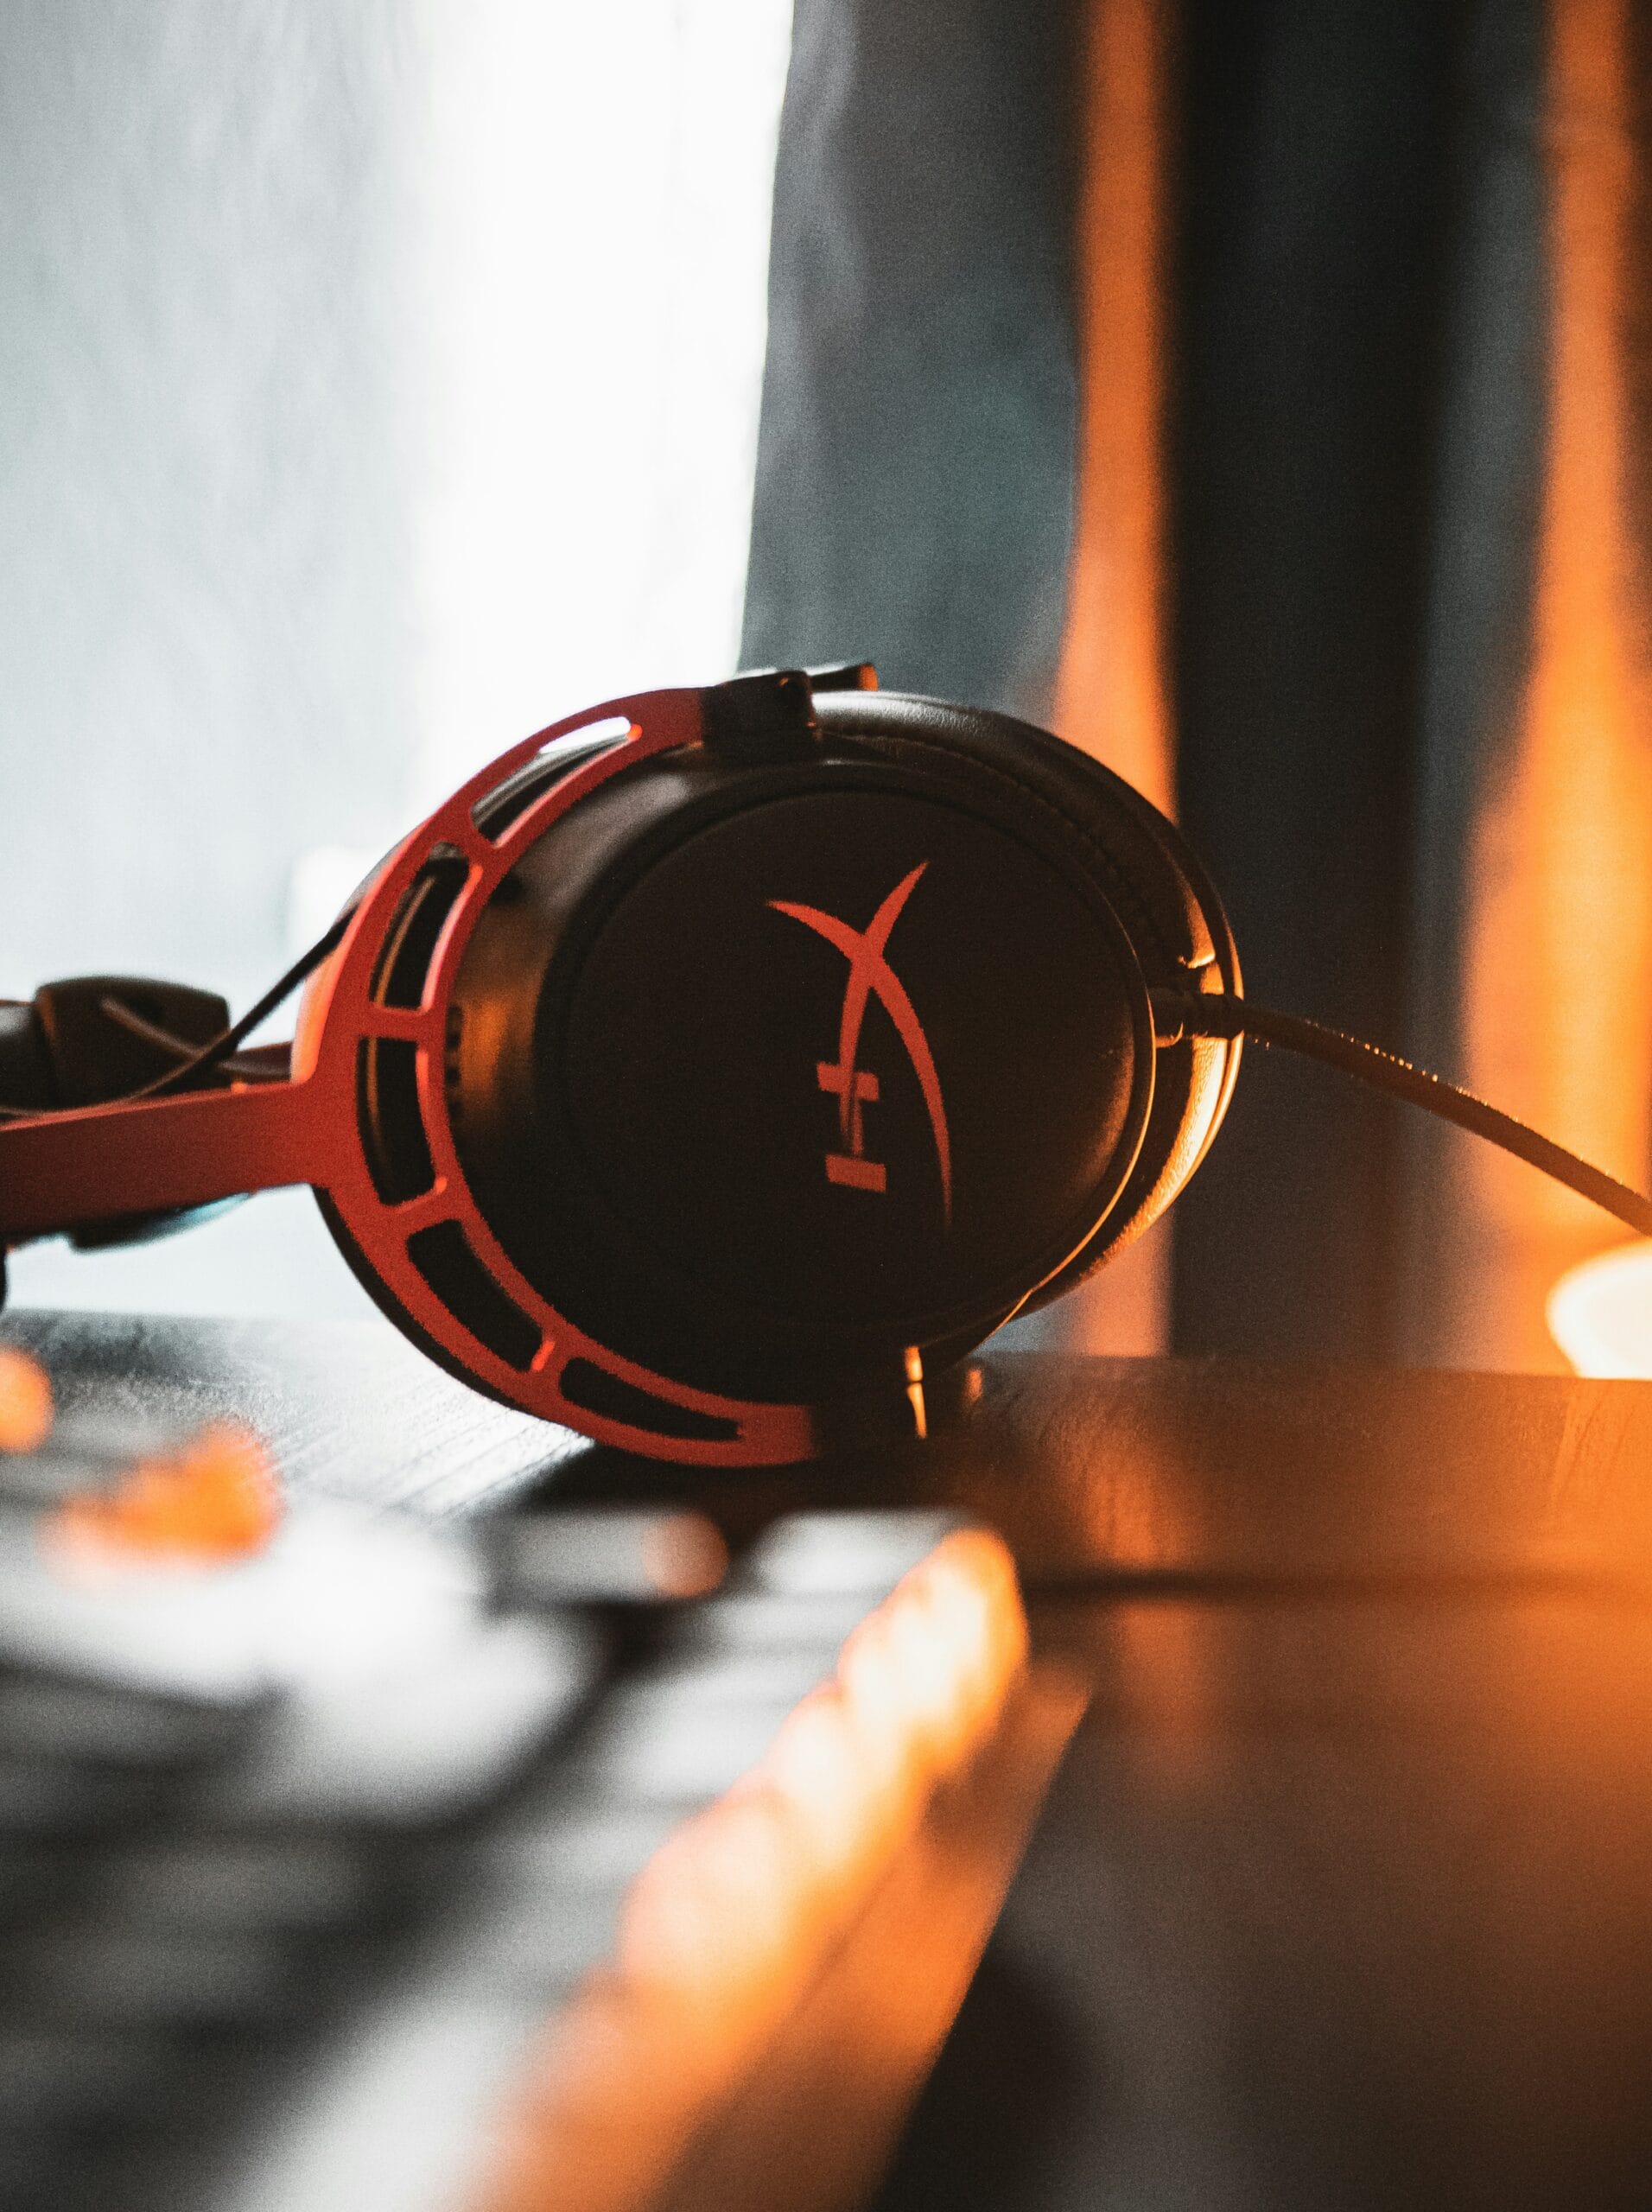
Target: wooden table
[[1344, 1897]]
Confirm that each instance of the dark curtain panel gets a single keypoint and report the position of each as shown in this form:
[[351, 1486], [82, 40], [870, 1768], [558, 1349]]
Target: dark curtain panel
[[1318, 192], [1401, 629], [915, 461], [1484, 490]]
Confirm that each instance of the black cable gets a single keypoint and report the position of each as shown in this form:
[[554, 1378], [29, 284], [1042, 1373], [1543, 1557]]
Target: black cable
[[1220, 1015], [207, 1057], [260, 1064]]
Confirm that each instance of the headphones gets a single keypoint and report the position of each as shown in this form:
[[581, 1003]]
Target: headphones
[[702, 1072], [711, 1066]]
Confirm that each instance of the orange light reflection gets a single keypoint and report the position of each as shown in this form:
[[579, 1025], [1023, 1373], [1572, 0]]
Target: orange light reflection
[[25, 1402], [216, 1498], [736, 1915]]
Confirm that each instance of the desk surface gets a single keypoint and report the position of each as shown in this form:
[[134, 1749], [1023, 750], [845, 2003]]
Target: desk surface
[[1150, 1469], [1344, 1894]]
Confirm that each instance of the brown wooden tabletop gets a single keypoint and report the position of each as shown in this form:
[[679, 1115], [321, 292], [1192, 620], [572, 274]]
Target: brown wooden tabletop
[[1344, 1894]]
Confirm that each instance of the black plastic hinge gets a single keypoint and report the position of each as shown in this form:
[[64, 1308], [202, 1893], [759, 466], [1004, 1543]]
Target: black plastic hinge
[[768, 715]]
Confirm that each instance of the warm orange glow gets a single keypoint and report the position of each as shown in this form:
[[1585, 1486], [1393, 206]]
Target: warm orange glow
[[1600, 1312], [25, 1402], [216, 1498], [734, 1918], [928, 1668], [1557, 987], [819, 1768], [747, 1887], [715, 1911], [1110, 695], [684, 1555]]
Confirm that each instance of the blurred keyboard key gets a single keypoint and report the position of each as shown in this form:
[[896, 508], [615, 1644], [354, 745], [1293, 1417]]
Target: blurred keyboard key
[[117, 1976], [299, 1852], [671, 1749], [568, 1847], [745, 1618], [212, 1881], [612, 1557], [25, 1402], [41, 1796], [402, 1746], [392, 2116], [52, 2077], [98, 1723], [828, 1554]]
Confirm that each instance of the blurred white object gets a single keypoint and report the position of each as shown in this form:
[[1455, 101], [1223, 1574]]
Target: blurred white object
[[1600, 1312]]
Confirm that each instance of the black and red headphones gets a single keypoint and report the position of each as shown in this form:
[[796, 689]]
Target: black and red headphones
[[710, 1065]]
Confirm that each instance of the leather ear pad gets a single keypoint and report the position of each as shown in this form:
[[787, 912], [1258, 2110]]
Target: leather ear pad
[[1155, 884]]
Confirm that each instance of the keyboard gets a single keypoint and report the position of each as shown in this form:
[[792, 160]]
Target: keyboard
[[302, 1851]]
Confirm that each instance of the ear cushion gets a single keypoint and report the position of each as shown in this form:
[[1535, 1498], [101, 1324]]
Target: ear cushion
[[1165, 902]]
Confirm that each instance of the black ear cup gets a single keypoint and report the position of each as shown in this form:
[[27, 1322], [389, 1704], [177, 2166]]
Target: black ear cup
[[1168, 905], [767, 1071]]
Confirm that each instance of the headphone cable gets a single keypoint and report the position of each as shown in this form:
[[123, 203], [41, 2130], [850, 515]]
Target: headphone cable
[[1222, 1015], [202, 1062]]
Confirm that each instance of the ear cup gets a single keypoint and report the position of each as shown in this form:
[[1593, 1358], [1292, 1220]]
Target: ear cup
[[696, 1064], [765, 1073], [1177, 926]]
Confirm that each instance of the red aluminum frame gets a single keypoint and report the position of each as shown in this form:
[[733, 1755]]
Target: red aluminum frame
[[149, 1156]]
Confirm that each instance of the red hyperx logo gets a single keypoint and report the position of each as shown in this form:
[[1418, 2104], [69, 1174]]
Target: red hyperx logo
[[855, 1088]]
